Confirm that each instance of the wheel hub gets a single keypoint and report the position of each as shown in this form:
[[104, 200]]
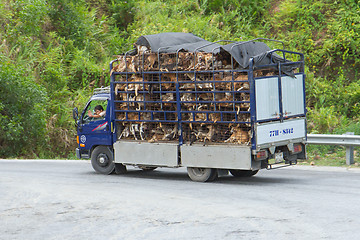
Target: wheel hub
[[103, 160], [198, 171]]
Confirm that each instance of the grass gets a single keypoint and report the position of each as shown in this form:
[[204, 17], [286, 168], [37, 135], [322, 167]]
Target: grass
[[335, 157]]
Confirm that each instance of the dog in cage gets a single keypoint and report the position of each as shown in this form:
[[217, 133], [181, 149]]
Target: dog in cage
[[163, 132], [136, 131], [238, 135], [205, 133], [185, 61], [150, 61], [168, 62]]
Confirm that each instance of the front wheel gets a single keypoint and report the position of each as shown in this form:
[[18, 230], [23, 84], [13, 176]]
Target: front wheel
[[243, 173], [102, 160], [202, 174]]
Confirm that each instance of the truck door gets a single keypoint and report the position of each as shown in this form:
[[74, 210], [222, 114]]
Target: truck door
[[274, 102], [280, 110], [95, 131]]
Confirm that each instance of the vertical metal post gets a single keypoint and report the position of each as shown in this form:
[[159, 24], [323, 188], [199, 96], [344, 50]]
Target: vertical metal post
[[280, 95], [112, 104], [349, 152], [178, 109], [251, 80]]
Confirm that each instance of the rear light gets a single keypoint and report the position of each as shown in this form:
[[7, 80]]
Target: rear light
[[82, 145], [77, 139], [261, 155], [297, 148]]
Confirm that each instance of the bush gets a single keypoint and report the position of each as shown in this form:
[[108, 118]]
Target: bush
[[324, 120], [22, 119]]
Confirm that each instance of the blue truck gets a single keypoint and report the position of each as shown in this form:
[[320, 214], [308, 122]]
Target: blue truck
[[177, 100]]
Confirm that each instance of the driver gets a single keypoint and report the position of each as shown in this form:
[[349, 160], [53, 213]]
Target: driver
[[99, 112]]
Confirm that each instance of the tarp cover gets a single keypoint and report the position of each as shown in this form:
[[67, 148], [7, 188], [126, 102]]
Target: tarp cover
[[241, 51]]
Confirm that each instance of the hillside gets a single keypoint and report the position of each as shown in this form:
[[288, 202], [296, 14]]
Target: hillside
[[54, 52]]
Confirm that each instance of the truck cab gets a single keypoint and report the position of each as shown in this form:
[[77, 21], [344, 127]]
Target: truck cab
[[91, 131]]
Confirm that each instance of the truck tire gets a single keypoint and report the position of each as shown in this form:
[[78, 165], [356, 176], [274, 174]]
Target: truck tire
[[120, 168], [202, 174], [102, 160], [243, 173]]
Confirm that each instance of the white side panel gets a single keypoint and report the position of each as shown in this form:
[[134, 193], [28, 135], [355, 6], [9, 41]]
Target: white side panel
[[267, 98], [276, 132], [216, 156], [292, 90], [143, 153]]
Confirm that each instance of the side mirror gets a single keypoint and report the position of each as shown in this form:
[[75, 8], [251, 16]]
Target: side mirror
[[75, 113]]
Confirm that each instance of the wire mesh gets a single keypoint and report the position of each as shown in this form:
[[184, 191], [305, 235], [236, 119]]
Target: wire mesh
[[186, 97]]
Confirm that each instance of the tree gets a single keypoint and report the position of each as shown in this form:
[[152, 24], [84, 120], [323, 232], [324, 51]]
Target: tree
[[22, 118]]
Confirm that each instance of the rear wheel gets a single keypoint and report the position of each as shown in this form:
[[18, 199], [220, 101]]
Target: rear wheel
[[243, 173], [102, 160], [120, 168], [202, 174]]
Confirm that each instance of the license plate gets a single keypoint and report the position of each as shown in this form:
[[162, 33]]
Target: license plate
[[279, 157]]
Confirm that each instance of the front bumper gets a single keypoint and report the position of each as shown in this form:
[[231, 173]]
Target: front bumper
[[78, 154], [82, 153]]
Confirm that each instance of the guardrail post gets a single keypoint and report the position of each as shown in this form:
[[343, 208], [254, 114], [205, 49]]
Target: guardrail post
[[349, 152], [349, 140]]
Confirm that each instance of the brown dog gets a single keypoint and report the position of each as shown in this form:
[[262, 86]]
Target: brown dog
[[238, 135]]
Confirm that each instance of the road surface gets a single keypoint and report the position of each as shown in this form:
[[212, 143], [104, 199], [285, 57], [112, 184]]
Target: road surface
[[64, 199]]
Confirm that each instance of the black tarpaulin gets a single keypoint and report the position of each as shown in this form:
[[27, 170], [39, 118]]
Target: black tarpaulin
[[172, 42], [240, 51]]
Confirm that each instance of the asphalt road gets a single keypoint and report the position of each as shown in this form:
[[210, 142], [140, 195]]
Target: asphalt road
[[56, 199]]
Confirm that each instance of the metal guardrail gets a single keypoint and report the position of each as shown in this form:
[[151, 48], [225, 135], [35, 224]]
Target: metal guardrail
[[349, 140]]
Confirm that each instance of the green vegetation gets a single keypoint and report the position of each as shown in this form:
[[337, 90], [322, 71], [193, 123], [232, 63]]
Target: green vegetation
[[327, 156], [53, 52]]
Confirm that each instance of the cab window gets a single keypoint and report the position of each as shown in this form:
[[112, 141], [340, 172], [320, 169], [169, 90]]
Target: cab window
[[95, 111]]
